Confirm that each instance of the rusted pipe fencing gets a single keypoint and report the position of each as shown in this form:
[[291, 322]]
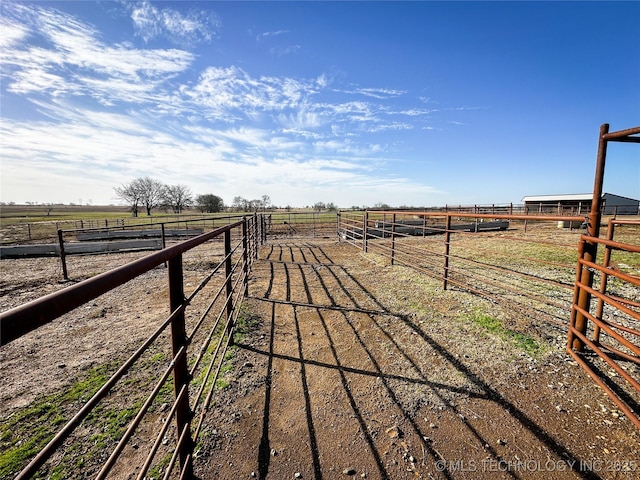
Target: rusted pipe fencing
[[199, 328], [612, 329], [113, 234], [288, 225], [488, 254]]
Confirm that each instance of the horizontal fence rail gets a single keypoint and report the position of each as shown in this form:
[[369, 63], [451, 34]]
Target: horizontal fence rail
[[612, 328], [43, 231], [187, 350], [486, 254], [528, 264]]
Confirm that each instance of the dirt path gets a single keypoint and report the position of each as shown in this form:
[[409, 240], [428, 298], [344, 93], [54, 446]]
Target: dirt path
[[360, 370]]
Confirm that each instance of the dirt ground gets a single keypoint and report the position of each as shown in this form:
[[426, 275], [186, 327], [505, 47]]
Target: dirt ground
[[355, 370]]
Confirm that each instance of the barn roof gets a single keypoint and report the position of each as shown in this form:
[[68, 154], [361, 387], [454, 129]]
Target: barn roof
[[575, 197]]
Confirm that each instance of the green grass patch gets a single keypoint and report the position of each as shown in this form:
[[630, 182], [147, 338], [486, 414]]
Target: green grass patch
[[519, 340], [28, 430]]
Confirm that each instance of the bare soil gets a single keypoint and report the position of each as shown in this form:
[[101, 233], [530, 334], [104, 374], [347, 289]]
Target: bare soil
[[356, 369]]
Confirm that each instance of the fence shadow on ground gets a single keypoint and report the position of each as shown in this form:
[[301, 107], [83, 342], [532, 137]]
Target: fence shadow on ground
[[327, 324]]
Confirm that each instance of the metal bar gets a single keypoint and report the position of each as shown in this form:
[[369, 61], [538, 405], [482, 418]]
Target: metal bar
[[447, 247], [63, 257], [183, 440], [178, 341], [245, 256], [54, 443], [621, 404], [393, 239], [228, 272], [27, 317], [593, 227], [159, 438], [503, 216], [621, 134], [106, 467], [603, 282]]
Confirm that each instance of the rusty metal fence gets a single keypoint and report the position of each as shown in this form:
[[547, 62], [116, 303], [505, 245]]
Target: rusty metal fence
[[528, 264], [195, 354], [612, 329], [524, 261]]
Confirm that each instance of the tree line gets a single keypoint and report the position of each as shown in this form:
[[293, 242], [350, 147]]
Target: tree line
[[147, 193]]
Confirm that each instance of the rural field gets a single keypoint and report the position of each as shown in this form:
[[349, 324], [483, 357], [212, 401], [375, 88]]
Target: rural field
[[345, 367]]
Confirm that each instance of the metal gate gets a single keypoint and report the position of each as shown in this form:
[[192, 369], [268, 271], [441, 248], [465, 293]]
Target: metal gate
[[605, 334]]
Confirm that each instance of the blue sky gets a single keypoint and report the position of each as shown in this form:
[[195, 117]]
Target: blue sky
[[417, 103]]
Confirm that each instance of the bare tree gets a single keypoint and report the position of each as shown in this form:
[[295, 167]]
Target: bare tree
[[319, 206], [151, 192], [266, 201], [130, 193], [178, 197], [240, 204]]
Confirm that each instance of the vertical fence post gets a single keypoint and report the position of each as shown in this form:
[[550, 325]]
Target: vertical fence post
[[393, 239], [229, 283], [365, 225], [63, 256], [162, 236], [447, 246], [29, 230], [593, 229], [338, 221], [179, 341], [603, 281], [245, 256]]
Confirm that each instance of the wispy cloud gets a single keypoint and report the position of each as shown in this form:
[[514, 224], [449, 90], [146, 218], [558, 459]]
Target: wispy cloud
[[281, 51], [196, 26], [265, 35], [379, 93], [68, 57], [108, 112]]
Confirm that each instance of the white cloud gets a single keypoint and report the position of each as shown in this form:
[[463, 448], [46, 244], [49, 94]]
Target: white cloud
[[281, 51], [276, 33], [73, 60], [110, 112], [379, 93], [195, 27]]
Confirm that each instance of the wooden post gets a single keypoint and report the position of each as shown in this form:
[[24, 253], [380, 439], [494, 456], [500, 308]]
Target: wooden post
[[179, 342]]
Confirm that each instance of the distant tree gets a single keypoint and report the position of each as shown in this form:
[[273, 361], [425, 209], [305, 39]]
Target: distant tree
[[331, 207], [382, 206], [151, 192], [177, 197], [130, 193], [240, 204], [209, 203], [254, 205], [319, 206], [266, 201], [288, 208]]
